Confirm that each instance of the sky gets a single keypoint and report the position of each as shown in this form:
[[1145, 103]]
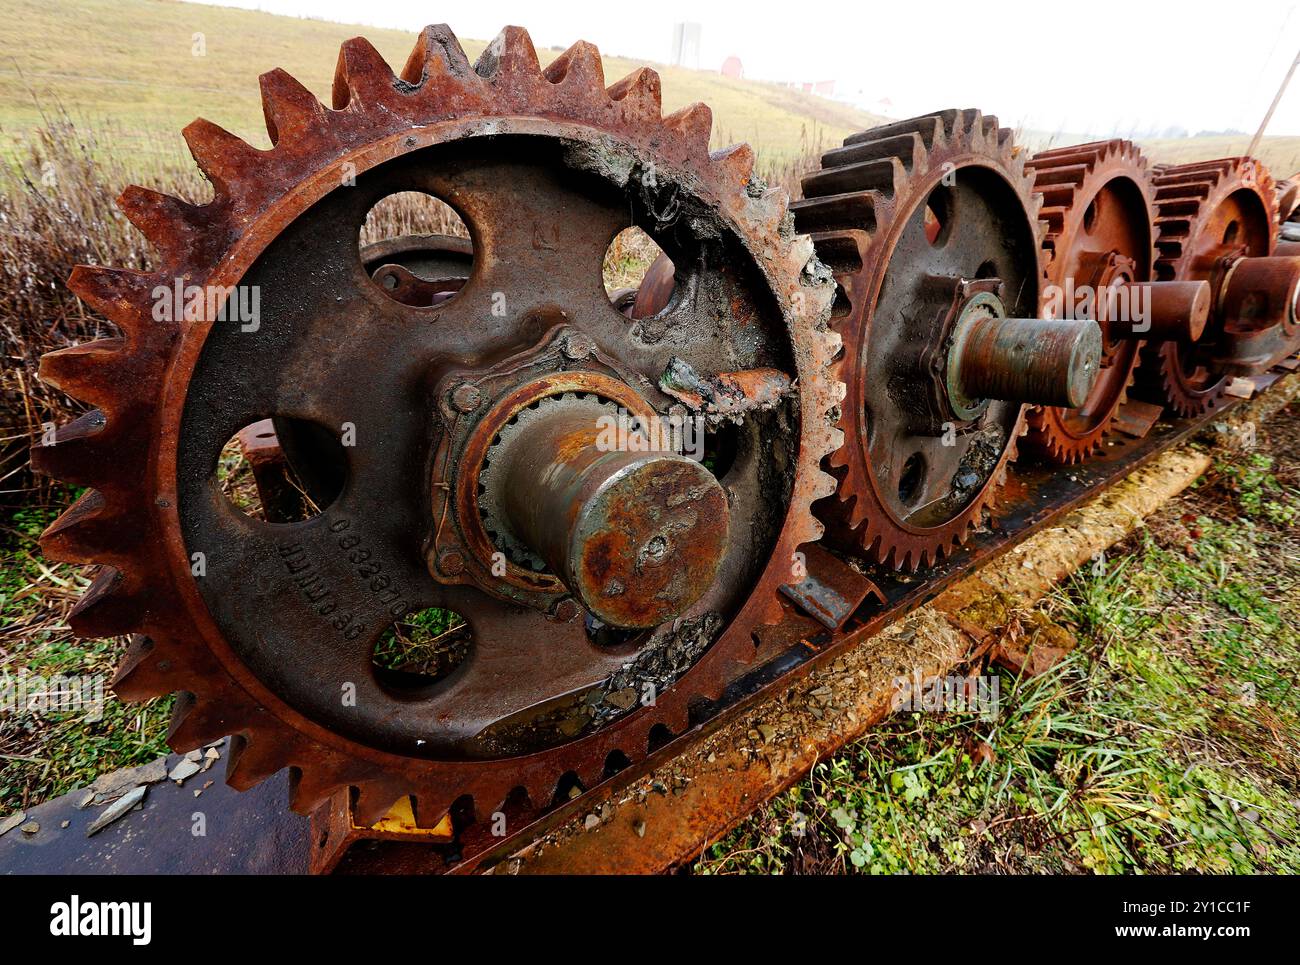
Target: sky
[[1101, 68]]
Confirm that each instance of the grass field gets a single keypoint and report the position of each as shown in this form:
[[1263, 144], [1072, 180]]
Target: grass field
[[132, 62]]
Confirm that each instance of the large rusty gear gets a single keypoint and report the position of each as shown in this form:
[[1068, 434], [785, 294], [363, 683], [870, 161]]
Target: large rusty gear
[[929, 224], [1209, 215], [1098, 206], [252, 649]]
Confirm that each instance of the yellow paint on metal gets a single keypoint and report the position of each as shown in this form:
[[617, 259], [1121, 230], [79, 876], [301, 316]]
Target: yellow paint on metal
[[400, 819]]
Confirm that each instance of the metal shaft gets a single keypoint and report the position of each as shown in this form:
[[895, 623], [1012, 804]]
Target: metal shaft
[[637, 537], [1260, 293], [1031, 360], [1157, 310]]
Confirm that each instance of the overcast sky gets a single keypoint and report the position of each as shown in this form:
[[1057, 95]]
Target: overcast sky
[[1099, 67]]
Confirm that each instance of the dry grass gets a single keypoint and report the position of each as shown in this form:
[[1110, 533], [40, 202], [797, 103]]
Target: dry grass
[[57, 210]]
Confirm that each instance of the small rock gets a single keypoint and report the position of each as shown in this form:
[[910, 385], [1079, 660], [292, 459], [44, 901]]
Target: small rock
[[184, 769], [64, 824], [712, 758], [575, 791], [109, 787], [767, 731], [206, 785], [212, 754], [117, 809], [31, 827], [11, 822], [639, 828], [198, 791], [194, 756], [590, 821], [622, 699], [216, 743]]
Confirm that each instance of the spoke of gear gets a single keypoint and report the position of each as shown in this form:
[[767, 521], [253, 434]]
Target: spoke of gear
[[544, 166], [930, 226], [1216, 221], [1100, 248]]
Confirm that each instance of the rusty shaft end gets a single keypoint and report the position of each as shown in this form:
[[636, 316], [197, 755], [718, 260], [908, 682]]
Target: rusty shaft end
[[636, 536], [1030, 360], [1260, 293], [1174, 311]]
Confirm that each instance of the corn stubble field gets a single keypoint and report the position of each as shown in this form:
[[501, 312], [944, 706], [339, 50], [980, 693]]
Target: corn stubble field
[[1135, 753]]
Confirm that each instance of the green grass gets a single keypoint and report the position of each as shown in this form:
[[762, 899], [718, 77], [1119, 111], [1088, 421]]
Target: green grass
[[131, 61], [46, 754], [1167, 741]]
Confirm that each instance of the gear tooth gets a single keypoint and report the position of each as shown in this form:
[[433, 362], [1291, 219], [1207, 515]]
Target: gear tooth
[[835, 212], [194, 723], [579, 65], [907, 146], [541, 788], [290, 109], [221, 156], [592, 773], [252, 759], [140, 676], [694, 124], [77, 536], [309, 789], [81, 371], [738, 160], [169, 223], [511, 53], [882, 174], [431, 805], [639, 94], [72, 456], [373, 800], [930, 128], [106, 609], [436, 54], [122, 295], [362, 77]]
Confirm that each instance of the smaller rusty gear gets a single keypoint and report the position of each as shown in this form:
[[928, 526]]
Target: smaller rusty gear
[[1098, 206], [1216, 222], [930, 226]]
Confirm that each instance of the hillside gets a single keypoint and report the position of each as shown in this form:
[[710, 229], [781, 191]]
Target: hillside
[[131, 62]]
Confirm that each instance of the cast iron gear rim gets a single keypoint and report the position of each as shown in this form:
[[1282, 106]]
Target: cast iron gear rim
[[1069, 180], [124, 451], [1187, 198], [852, 209]]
